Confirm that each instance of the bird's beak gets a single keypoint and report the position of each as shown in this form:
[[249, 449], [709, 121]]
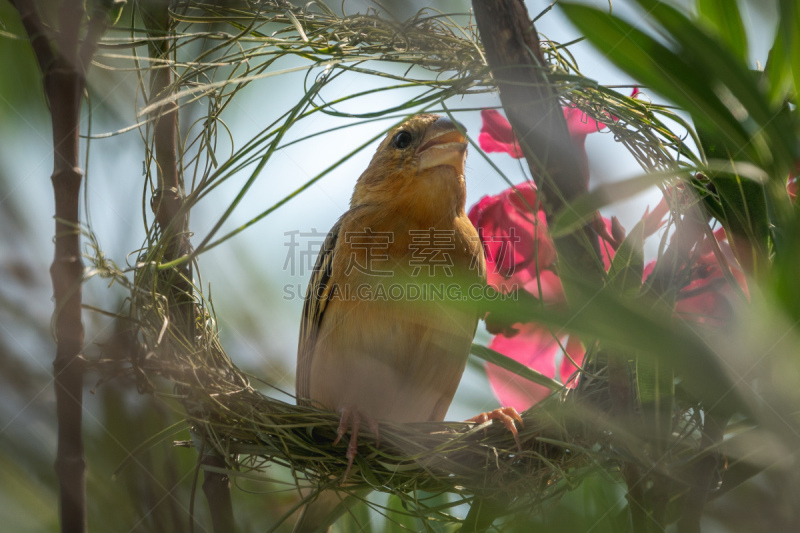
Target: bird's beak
[[443, 145]]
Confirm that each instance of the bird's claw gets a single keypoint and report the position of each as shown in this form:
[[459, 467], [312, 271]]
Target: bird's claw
[[506, 415], [353, 417]]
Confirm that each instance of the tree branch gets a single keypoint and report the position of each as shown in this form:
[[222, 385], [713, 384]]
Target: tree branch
[[166, 203], [704, 474], [71, 15], [64, 85], [99, 22], [37, 33], [531, 104], [64, 78], [217, 488]]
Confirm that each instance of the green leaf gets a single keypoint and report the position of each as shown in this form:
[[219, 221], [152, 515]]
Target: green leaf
[[724, 19], [778, 71], [356, 516], [483, 511], [788, 35], [579, 212], [505, 362], [733, 86], [744, 203], [633, 327], [625, 274], [399, 515], [743, 169], [656, 386], [656, 66], [794, 58], [789, 32]]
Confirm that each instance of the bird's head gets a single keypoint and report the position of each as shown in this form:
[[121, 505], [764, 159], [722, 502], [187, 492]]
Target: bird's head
[[420, 162]]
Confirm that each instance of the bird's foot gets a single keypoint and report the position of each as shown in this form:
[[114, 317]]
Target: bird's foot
[[352, 416], [506, 415]]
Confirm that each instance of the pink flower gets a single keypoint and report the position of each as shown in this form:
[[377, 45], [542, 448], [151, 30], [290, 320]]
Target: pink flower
[[497, 136], [706, 300], [521, 255], [709, 299], [515, 239]]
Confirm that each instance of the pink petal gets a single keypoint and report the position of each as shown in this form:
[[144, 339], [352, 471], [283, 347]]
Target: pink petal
[[497, 126], [552, 291], [709, 299], [710, 308], [534, 347], [576, 351], [515, 240], [648, 269], [655, 220], [580, 124], [496, 134]]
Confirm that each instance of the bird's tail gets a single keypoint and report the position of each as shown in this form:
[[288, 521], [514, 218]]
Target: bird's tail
[[320, 513]]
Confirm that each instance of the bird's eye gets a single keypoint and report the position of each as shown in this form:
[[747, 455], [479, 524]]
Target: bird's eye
[[402, 140]]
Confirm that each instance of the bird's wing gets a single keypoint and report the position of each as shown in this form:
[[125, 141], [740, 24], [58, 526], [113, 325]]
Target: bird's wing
[[316, 301]]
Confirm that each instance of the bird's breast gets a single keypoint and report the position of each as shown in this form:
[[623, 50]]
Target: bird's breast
[[400, 317]]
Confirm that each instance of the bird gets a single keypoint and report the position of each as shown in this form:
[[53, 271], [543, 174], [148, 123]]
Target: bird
[[369, 349]]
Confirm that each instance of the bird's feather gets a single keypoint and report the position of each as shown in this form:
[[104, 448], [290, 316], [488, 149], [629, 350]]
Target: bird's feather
[[316, 300]]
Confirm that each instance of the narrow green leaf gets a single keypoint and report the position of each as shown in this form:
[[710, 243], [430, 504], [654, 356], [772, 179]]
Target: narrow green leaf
[[761, 455], [635, 327], [491, 356], [399, 515], [625, 274], [743, 169], [733, 86], [356, 515], [789, 33], [579, 212], [367, 472], [744, 203], [724, 19], [790, 29], [656, 66], [656, 386], [778, 71]]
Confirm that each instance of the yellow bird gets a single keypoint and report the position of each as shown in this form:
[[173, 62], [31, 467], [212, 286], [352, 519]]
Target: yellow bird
[[387, 322]]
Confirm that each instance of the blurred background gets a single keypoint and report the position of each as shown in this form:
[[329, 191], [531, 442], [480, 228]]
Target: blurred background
[[255, 280]]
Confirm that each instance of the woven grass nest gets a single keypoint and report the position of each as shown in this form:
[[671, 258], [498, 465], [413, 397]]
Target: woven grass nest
[[253, 431]]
